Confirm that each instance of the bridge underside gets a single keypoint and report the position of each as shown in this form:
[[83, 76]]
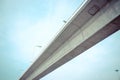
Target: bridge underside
[[93, 22]]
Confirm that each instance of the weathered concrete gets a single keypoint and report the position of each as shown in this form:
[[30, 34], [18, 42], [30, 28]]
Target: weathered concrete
[[96, 20]]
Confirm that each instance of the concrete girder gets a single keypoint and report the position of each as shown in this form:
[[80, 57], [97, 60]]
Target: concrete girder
[[78, 35]]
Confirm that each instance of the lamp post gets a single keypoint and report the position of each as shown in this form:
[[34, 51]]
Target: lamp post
[[117, 71]]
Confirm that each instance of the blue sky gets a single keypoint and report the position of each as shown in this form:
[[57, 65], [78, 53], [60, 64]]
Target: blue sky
[[26, 24]]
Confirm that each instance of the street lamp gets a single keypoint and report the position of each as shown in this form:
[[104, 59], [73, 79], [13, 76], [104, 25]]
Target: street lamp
[[117, 71]]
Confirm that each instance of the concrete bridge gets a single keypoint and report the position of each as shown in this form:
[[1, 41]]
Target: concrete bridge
[[91, 23]]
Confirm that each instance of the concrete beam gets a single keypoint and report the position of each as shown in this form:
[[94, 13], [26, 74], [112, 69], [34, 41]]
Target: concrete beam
[[93, 22]]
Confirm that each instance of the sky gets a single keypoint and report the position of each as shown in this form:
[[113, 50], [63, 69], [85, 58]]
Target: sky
[[26, 28]]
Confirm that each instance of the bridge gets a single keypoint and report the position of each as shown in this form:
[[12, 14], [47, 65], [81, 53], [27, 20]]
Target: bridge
[[91, 23]]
